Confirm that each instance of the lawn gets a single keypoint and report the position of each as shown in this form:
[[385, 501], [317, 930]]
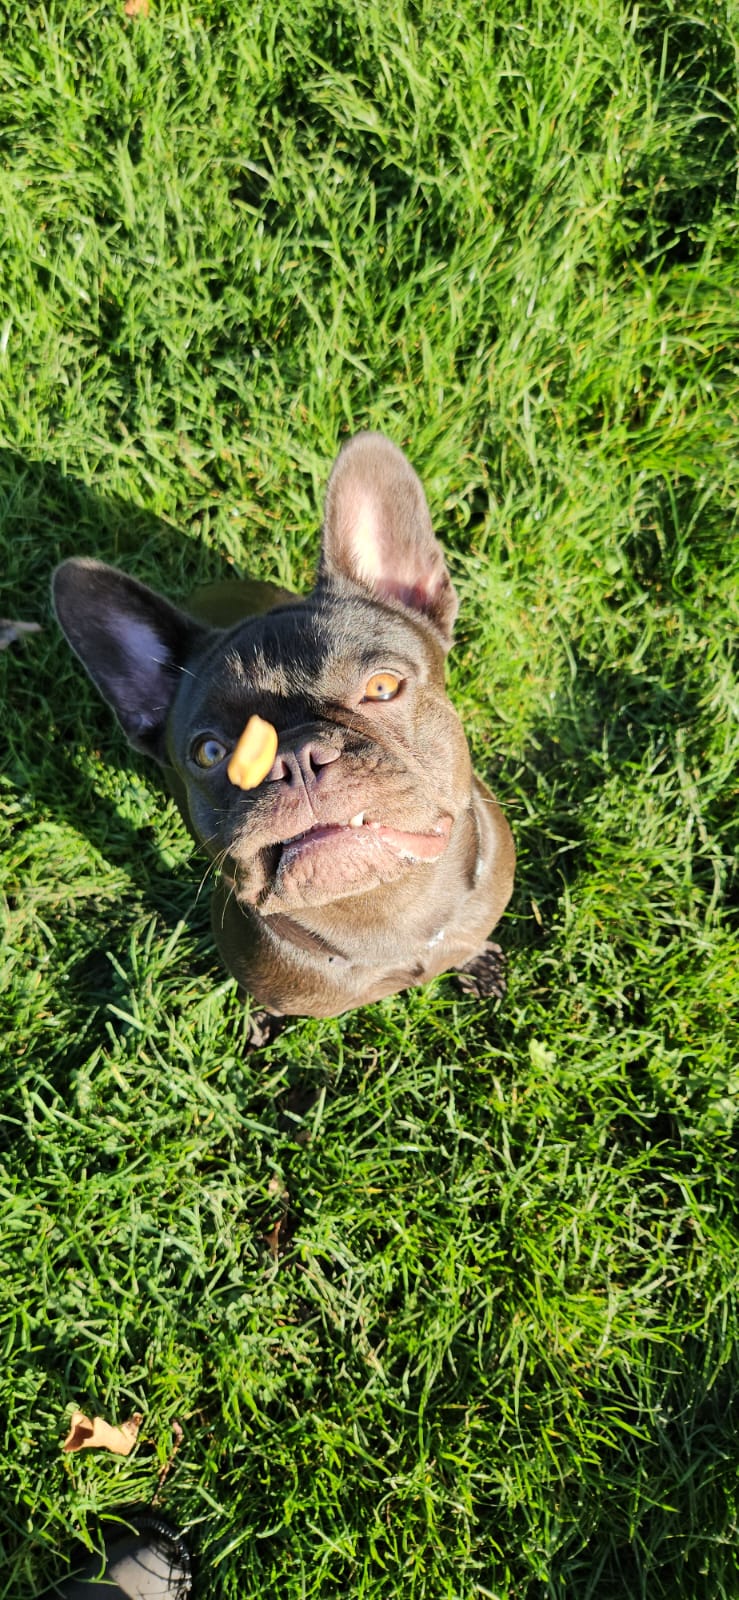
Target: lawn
[[442, 1295]]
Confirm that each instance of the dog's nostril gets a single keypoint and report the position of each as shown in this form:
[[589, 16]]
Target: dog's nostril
[[320, 755], [294, 766], [283, 770]]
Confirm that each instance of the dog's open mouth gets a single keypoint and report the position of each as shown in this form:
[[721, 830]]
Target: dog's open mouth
[[332, 860], [414, 846]]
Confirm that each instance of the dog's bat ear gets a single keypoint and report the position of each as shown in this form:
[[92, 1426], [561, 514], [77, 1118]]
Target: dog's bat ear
[[377, 532], [132, 642]]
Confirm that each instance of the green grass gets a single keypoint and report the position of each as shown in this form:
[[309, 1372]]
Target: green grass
[[491, 1350]]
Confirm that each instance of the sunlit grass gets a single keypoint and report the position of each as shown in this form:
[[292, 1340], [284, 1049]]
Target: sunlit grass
[[443, 1295]]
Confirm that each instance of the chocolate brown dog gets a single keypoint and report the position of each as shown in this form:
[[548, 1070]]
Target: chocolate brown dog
[[368, 857]]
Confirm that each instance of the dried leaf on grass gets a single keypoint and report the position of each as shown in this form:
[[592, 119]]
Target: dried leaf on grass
[[101, 1435], [136, 8], [11, 630]]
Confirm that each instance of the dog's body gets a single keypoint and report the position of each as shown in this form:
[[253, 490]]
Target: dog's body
[[370, 857]]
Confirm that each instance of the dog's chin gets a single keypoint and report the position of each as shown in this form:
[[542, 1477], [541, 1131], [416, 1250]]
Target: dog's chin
[[331, 862]]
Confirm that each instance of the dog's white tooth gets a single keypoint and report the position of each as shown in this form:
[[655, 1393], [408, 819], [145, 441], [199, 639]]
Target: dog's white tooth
[[356, 822]]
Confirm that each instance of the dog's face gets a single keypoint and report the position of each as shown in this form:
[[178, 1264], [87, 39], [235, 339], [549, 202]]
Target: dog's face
[[363, 785], [372, 766]]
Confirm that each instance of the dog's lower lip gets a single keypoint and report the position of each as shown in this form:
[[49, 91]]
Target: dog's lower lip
[[328, 828], [421, 844]]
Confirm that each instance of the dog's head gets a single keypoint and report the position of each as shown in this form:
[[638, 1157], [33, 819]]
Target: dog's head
[[372, 766]]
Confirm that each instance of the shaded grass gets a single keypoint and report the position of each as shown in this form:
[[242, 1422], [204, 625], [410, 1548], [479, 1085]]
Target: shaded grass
[[444, 1297]]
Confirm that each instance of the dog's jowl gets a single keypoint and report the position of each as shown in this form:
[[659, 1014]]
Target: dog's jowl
[[314, 752]]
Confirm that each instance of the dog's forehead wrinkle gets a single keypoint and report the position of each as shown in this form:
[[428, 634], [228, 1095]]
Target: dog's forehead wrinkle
[[357, 629], [323, 631], [255, 668], [300, 653]]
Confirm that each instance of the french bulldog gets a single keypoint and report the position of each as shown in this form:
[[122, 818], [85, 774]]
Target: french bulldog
[[369, 857]]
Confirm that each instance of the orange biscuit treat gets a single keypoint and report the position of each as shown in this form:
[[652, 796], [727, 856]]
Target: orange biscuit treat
[[254, 754]]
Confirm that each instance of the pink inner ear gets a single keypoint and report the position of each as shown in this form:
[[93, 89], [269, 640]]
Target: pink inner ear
[[380, 564], [365, 537]]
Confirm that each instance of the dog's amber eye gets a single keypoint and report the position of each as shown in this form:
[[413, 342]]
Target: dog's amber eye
[[381, 686], [208, 752]]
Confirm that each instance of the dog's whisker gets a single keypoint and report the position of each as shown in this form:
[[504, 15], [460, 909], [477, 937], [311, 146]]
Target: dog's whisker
[[213, 866], [206, 837], [229, 896]]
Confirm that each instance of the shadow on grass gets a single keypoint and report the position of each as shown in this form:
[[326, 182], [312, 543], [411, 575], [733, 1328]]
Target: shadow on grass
[[47, 516]]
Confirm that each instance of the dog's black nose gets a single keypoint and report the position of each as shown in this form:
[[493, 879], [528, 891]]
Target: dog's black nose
[[303, 763]]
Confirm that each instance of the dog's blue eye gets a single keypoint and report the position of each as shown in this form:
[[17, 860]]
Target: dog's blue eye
[[208, 752]]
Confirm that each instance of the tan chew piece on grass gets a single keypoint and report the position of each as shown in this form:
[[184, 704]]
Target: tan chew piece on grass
[[254, 754], [97, 1434]]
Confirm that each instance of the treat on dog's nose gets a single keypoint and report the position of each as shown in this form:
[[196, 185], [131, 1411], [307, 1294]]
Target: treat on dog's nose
[[254, 754]]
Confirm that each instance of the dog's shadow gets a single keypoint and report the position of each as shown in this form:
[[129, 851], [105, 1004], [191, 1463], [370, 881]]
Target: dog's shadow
[[45, 517], [66, 765]]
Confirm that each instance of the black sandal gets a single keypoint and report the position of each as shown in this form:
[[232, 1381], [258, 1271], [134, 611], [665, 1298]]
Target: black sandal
[[149, 1562]]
